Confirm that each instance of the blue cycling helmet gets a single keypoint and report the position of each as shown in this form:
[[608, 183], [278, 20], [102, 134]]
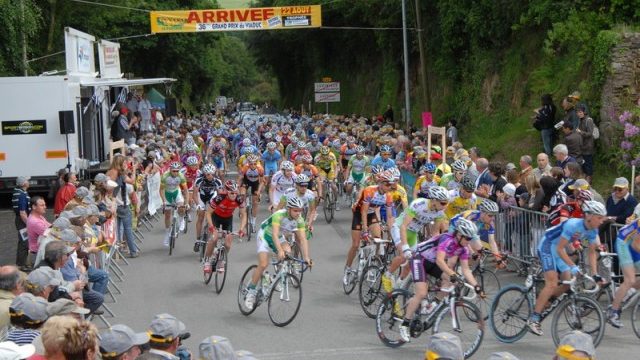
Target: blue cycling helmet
[[429, 167]]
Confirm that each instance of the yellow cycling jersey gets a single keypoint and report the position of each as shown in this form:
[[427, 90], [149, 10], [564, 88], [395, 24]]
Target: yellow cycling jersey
[[399, 195], [326, 162], [422, 184], [459, 205]]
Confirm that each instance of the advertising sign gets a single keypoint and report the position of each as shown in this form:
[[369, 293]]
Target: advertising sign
[[327, 87], [109, 59], [327, 97], [427, 119], [25, 127], [268, 18], [79, 56]]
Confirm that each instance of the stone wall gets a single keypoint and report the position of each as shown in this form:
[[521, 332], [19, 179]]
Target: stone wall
[[622, 87]]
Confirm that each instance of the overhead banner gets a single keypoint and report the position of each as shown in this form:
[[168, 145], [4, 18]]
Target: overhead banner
[[268, 18]]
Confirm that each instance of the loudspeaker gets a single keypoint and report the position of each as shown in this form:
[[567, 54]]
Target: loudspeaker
[[170, 107], [67, 125]]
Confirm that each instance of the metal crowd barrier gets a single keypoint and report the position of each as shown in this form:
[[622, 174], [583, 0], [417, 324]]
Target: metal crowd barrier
[[518, 230]]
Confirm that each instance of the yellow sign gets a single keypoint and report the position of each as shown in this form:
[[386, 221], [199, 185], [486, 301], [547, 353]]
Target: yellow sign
[[269, 18], [327, 79]]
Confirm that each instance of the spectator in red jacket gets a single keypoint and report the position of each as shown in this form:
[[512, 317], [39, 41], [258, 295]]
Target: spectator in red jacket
[[66, 193]]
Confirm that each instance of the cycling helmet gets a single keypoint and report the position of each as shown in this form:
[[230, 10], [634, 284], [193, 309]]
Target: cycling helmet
[[190, 146], [594, 207], [195, 133], [286, 165], [386, 176], [489, 207], [314, 136], [307, 159], [302, 145], [468, 184], [343, 135], [278, 138], [246, 142], [429, 167], [438, 193], [268, 135], [336, 144], [459, 165], [295, 202], [584, 195], [385, 149], [252, 159], [360, 149], [395, 172], [192, 160], [209, 169], [467, 228], [271, 145], [376, 169], [324, 150], [231, 186], [216, 148], [175, 165], [302, 179], [351, 139]]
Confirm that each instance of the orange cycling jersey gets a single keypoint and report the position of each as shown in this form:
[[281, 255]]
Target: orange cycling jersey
[[311, 171], [347, 150], [250, 174], [371, 196]]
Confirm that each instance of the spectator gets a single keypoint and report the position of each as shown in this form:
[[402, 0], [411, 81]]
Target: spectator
[[10, 287], [144, 108], [119, 342], [561, 153], [576, 345], [452, 131], [28, 313], [41, 282], [65, 338], [546, 116], [543, 168], [66, 307], [444, 345], [56, 184], [572, 172], [218, 348], [585, 130], [534, 196], [66, 193], [496, 171], [573, 141], [20, 203], [582, 184], [36, 226], [132, 102], [570, 117], [165, 333], [503, 355], [482, 165], [81, 193], [11, 351], [55, 257], [388, 114], [550, 187], [621, 203], [53, 233], [525, 166], [75, 269]]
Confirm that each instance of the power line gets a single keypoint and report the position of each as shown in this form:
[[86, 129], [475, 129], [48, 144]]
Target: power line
[[111, 6], [130, 37], [46, 56], [365, 28]]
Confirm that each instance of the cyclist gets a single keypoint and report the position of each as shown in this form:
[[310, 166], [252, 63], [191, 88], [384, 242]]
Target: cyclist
[[251, 177], [426, 180], [483, 218], [347, 150], [438, 257], [463, 199], [572, 209], [314, 145], [173, 192], [365, 220], [218, 158], [555, 260], [308, 169], [628, 250], [300, 151], [280, 182], [452, 180], [384, 158], [356, 167], [191, 150], [220, 215], [405, 229], [398, 193], [327, 165], [271, 158], [271, 238], [302, 192], [191, 172], [205, 187]]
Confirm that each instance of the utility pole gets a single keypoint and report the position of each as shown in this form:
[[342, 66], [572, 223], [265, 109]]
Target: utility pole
[[426, 95], [406, 66], [24, 42]]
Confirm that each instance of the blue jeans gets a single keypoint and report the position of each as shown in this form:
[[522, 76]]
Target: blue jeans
[[92, 299], [99, 278], [547, 140], [125, 228]]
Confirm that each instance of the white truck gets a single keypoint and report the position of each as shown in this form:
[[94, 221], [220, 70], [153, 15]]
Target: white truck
[[53, 122]]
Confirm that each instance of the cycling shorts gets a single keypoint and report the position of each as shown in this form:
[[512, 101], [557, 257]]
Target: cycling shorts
[[345, 163], [263, 245], [356, 223], [412, 237], [355, 178], [218, 163], [327, 173], [550, 259], [420, 268], [174, 197], [383, 213], [269, 169], [626, 255], [226, 223], [254, 185]]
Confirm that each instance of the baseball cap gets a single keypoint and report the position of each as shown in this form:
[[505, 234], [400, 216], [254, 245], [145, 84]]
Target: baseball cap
[[576, 341], [93, 210], [82, 192], [621, 183], [79, 211], [67, 214], [436, 156], [510, 166], [42, 278], [112, 184], [69, 236], [33, 307], [21, 180], [580, 184], [119, 339], [10, 351], [88, 200], [444, 345], [216, 348], [502, 356], [100, 178], [61, 223], [165, 328], [245, 355], [64, 307], [509, 189]]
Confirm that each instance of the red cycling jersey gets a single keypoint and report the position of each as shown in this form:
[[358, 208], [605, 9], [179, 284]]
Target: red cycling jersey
[[223, 206], [566, 210]]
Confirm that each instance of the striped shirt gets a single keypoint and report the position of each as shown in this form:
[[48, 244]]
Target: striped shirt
[[22, 336]]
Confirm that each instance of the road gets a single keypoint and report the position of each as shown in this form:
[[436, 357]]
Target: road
[[330, 324]]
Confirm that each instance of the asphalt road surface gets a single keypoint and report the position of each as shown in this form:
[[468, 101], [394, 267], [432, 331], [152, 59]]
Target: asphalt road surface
[[330, 324]]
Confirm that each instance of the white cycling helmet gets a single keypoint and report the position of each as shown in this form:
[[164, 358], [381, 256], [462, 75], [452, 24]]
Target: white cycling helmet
[[395, 172], [295, 202], [594, 207], [466, 228], [302, 179], [386, 176], [192, 160], [271, 145], [286, 165], [459, 165], [209, 169], [438, 193], [246, 142], [488, 206], [175, 165]]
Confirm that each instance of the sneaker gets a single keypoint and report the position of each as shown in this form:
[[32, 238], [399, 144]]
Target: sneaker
[[207, 267], [189, 217], [535, 327], [183, 225], [167, 237], [613, 317], [346, 279], [250, 298], [387, 283], [405, 333], [196, 246], [220, 266]]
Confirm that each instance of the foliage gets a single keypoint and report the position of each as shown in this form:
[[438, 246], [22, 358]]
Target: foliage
[[15, 24], [629, 152]]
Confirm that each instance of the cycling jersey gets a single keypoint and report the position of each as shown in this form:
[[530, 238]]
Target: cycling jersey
[[571, 230], [420, 210], [449, 182], [296, 153], [399, 195], [173, 183], [310, 170], [285, 223], [281, 183], [358, 166], [218, 159], [567, 210], [627, 254], [347, 151], [458, 204], [191, 174], [271, 159], [252, 175], [207, 188], [326, 162], [308, 198], [371, 196], [223, 206], [379, 161], [446, 243], [484, 230]]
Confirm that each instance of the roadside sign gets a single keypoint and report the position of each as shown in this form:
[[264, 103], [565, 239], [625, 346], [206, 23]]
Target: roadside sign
[[327, 97], [326, 79], [327, 87]]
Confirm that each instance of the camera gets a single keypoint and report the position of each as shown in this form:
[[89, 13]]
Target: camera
[[559, 125]]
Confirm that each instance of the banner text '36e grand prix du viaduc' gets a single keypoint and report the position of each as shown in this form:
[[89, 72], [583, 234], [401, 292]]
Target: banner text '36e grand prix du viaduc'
[[268, 18]]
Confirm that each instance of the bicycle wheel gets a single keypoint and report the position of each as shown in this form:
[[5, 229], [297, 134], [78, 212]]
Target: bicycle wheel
[[348, 289], [207, 276], [635, 319], [489, 282], [468, 324], [296, 268], [369, 290], [509, 313], [326, 207], [284, 300], [242, 290], [389, 317], [221, 273], [579, 313], [185, 218], [203, 245], [172, 238]]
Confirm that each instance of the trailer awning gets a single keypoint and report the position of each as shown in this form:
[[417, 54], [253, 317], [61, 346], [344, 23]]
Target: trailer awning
[[125, 82]]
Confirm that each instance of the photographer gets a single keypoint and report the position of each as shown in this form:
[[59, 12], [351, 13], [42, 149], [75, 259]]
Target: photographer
[[544, 119]]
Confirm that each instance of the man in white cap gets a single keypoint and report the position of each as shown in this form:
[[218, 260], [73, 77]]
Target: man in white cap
[[20, 204], [444, 345], [119, 342], [10, 351]]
